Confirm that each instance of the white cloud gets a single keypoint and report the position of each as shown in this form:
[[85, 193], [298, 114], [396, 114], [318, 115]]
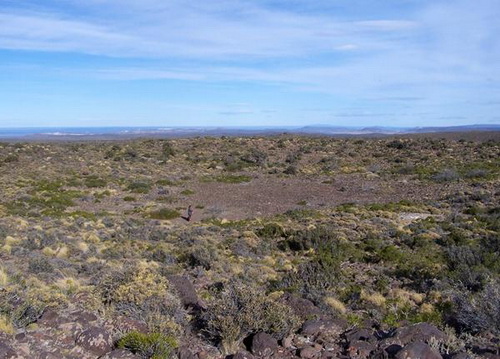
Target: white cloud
[[222, 30]]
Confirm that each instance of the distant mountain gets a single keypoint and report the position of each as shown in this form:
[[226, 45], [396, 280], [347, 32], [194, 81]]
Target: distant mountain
[[83, 133], [327, 129]]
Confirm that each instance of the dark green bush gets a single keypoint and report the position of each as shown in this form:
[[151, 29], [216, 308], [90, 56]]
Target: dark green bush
[[164, 214], [167, 151], [94, 182], [139, 187], [149, 346], [40, 265]]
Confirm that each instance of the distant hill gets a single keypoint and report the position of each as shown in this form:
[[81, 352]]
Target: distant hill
[[95, 133]]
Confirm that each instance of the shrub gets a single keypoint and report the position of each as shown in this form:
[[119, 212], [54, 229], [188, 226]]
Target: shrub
[[255, 157], [167, 151], [446, 175], [134, 286], [149, 346], [238, 311], [6, 325], [291, 170], [139, 187], [40, 265], [478, 312], [397, 144], [165, 214], [477, 173], [95, 182], [271, 230], [202, 257]]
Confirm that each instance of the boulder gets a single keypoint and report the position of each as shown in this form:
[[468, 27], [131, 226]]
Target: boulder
[[310, 352], [185, 289], [119, 354], [6, 352], [184, 353], [83, 317], [303, 308], [418, 350], [421, 332], [360, 334], [96, 340], [317, 327], [263, 344], [360, 349], [243, 354]]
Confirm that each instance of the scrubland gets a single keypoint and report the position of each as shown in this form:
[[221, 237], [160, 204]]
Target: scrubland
[[298, 247]]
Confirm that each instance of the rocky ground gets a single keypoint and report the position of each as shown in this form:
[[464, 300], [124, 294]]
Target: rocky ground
[[298, 247]]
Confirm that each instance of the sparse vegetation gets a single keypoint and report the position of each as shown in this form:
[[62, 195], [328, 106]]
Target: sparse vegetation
[[285, 229]]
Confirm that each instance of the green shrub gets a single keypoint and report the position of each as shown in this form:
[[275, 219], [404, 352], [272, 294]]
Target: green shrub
[[139, 187], [166, 182], [149, 346], [40, 265], [164, 213], [95, 182], [167, 151], [271, 230]]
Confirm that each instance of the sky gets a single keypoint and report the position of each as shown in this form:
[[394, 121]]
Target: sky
[[167, 63]]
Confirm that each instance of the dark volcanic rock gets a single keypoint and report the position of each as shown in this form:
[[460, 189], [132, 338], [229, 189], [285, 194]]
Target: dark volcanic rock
[[421, 332], [6, 352], [185, 289], [461, 356], [184, 353], [243, 354], [361, 334], [310, 352], [418, 350], [83, 317], [263, 344], [120, 354], [303, 308], [95, 340], [360, 349], [316, 327]]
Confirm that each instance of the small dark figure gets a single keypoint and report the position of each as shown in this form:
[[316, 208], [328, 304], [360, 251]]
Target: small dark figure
[[189, 214]]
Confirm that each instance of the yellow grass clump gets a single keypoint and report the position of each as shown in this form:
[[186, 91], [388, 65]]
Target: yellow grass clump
[[68, 285], [143, 284], [11, 240], [6, 325], [4, 278], [335, 304], [84, 247], [6, 248], [373, 298]]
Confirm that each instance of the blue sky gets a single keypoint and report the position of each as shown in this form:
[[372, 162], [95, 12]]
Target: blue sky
[[249, 62]]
